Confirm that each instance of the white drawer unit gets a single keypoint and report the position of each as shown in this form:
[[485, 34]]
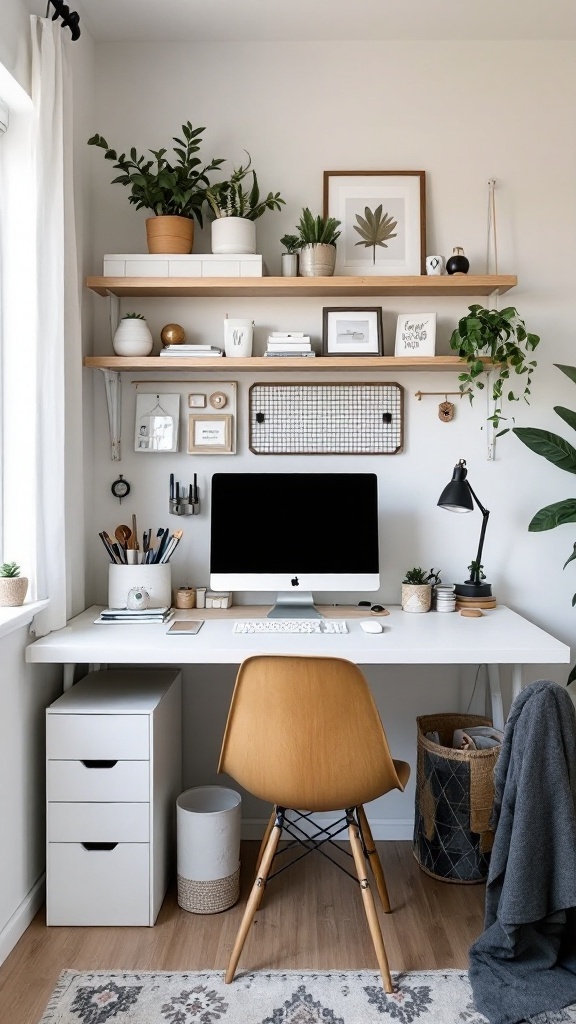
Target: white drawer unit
[[114, 767]]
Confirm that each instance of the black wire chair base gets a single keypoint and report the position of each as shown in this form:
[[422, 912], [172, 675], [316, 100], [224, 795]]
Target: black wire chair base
[[314, 843]]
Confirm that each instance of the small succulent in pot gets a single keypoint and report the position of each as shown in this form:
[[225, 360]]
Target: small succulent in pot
[[318, 237], [133, 316], [13, 586], [291, 244], [289, 257], [417, 589], [420, 578]]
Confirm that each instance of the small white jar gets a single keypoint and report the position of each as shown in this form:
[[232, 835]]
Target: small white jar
[[233, 236], [132, 338], [238, 338]]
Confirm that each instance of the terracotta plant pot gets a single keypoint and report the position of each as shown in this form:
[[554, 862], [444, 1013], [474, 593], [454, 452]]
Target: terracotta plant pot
[[416, 597], [170, 234], [12, 591]]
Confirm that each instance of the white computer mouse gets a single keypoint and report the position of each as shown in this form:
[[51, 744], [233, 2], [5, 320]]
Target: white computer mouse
[[371, 626]]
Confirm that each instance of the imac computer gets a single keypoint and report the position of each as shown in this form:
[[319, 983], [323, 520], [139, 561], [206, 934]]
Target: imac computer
[[294, 533]]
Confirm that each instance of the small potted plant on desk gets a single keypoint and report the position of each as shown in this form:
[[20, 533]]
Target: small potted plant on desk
[[13, 586], [236, 209], [291, 244], [173, 190], [318, 236], [417, 589]]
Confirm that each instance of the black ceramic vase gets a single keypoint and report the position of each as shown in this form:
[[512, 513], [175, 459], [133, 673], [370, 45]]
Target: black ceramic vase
[[458, 263]]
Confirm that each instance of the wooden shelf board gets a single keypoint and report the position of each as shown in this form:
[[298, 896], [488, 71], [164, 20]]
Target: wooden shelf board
[[393, 364], [283, 287]]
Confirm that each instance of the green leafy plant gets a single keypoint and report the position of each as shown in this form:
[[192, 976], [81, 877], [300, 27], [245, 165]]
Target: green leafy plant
[[291, 243], [420, 578], [500, 335], [9, 570], [375, 229], [133, 316], [166, 187], [317, 230], [476, 574], [231, 199]]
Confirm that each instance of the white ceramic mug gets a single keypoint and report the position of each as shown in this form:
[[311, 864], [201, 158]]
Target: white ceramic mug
[[238, 337], [435, 265]]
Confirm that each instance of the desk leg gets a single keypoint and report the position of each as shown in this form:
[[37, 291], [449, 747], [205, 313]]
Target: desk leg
[[68, 678], [516, 681], [496, 696]]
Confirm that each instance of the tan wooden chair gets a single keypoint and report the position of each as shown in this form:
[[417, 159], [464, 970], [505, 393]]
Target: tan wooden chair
[[304, 733]]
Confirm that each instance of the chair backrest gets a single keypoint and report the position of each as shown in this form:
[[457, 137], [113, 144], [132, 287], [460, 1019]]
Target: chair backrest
[[305, 733]]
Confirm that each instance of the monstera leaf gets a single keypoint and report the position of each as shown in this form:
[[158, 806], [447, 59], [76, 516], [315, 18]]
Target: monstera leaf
[[375, 229]]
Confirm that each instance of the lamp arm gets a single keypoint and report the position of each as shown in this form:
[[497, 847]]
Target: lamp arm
[[479, 503], [475, 574]]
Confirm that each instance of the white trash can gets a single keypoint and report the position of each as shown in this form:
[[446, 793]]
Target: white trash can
[[208, 849]]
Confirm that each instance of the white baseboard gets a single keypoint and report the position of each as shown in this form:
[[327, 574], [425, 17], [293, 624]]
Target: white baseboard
[[22, 917], [382, 829]]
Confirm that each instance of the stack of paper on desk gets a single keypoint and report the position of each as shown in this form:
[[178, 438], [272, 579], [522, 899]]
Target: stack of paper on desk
[[139, 615]]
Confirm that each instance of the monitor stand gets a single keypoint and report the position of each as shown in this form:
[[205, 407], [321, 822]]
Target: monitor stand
[[291, 605]]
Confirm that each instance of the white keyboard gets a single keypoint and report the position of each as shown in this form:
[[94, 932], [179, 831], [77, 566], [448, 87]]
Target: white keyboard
[[290, 626]]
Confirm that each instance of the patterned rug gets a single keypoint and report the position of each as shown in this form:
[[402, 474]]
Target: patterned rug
[[272, 997]]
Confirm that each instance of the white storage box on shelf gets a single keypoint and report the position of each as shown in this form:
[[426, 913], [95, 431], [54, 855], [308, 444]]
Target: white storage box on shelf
[[113, 773], [193, 265], [208, 822]]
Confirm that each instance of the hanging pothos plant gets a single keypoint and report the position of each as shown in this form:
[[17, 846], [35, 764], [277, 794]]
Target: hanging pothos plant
[[501, 336]]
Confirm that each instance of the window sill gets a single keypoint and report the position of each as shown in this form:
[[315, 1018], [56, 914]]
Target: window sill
[[14, 618]]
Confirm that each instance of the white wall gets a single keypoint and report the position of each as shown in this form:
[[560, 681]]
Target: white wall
[[15, 48], [463, 112]]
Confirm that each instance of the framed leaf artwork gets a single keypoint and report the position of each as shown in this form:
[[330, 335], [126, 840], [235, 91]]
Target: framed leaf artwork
[[383, 218]]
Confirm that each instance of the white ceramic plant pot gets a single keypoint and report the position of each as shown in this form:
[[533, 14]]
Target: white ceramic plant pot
[[233, 235], [317, 260], [132, 338], [12, 591], [416, 597], [238, 337], [289, 264]]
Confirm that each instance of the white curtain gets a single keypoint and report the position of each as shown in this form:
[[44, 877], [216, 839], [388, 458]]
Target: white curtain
[[58, 343]]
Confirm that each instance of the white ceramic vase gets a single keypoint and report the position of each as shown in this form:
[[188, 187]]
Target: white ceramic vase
[[132, 338], [233, 235], [238, 336], [416, 597]]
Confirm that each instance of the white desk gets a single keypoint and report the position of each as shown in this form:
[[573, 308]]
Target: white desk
[[499, 637]]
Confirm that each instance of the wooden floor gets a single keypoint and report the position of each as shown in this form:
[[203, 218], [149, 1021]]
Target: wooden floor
[[311, 917]]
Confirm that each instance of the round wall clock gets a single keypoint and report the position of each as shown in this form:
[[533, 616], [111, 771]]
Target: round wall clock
[[120, 488]]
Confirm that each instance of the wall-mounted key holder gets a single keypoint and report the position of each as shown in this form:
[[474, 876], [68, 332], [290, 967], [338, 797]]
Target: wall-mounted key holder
[[184, 499]]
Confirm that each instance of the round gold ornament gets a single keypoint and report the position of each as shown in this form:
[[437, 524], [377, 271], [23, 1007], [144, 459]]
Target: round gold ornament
[[172, 334]]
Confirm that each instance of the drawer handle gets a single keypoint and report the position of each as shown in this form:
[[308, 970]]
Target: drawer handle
[[99, 846], [99, 764]]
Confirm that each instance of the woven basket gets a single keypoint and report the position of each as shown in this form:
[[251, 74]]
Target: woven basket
[[454, 797], [209, 897]]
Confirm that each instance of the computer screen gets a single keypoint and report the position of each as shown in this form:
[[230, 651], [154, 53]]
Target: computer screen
[[294, 532]]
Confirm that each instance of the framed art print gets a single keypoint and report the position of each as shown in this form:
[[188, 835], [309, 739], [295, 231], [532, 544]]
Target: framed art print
[[415, 334], [352, 332], [157, 422], [210, 434], [383, 218]]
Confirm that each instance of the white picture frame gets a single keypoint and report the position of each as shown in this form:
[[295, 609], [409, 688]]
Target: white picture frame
[[157, 422], [415, 334], [210, 434]]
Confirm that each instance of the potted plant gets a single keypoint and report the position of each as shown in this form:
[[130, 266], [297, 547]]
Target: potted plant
[[417, 589], [318, 237], [236, 208], [13, 586], [291, 244], [502, 336], [174, 190], [132, 336]]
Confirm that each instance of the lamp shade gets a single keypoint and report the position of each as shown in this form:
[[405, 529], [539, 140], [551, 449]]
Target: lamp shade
[[456, 496]]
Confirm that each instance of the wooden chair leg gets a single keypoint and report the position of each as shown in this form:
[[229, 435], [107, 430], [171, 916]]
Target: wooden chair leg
[[374, 860], [263, 844], [369, 906], [253, 901]]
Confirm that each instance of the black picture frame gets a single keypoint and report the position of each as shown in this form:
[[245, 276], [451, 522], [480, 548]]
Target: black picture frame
[[334, 315]]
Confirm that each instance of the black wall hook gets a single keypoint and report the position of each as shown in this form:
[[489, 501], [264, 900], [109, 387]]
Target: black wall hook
[[70, 19]]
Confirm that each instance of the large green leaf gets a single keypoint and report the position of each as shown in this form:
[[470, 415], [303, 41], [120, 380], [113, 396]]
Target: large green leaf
[[558, 514], [550, 446], [570, 371], [568, 415]]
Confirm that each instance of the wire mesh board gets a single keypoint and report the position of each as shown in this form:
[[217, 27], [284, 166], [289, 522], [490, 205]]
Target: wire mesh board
[[326, 419]]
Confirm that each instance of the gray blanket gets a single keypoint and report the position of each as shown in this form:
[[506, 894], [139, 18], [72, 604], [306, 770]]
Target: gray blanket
[[524, 963]]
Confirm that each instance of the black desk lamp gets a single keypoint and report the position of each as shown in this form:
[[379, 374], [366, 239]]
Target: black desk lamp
[[457, 497]]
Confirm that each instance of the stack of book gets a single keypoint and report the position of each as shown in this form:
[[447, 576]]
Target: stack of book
[[192, 351], [292, 343], [142, 615]]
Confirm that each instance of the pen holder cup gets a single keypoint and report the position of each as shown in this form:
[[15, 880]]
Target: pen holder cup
[[184, 508], [156, 580]]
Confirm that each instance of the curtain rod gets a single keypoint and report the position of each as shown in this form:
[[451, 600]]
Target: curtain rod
[[70, 19]]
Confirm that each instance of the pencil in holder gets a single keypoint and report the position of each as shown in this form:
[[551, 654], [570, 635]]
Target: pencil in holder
[[183, 508]]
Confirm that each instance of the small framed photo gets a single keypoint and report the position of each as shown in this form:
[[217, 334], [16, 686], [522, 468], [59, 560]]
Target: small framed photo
[[352, 332], [209, 434], [415, 334], [157, 422], [196, 401], [383, 221]]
